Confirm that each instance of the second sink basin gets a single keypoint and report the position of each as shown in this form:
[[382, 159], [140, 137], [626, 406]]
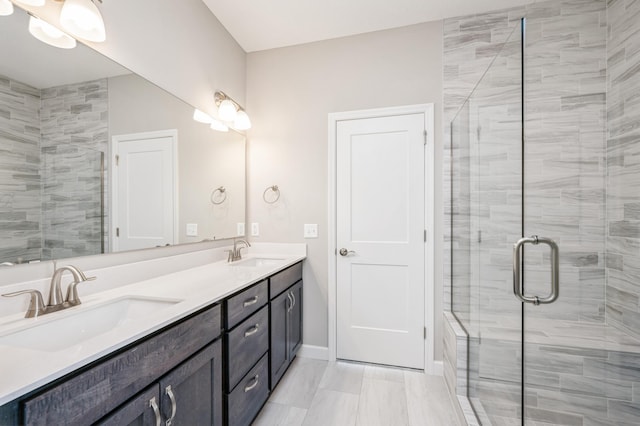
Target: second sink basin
[[82, 323], [255, 262]]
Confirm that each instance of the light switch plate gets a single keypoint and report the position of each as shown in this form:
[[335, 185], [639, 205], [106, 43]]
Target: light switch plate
[[310, 230], [255, 229], [192, 229], [240, 229]]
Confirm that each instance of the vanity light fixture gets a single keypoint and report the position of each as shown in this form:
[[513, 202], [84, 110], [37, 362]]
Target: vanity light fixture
[[6, 8], [49, 34], [32, 2], [219, 125], [82, 19], [230, 111], [203, 117]]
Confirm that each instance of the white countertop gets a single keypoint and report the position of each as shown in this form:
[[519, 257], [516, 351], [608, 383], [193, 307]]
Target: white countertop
[[24, 370]]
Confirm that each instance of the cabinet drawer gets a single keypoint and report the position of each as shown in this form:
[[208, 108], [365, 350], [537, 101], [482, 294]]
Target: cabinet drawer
[[246, 344], [88, 396], [250, 395], [285, 279], [244, 304]]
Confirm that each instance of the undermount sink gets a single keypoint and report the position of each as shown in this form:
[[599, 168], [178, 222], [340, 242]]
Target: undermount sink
[[51, 335], [255, 262]]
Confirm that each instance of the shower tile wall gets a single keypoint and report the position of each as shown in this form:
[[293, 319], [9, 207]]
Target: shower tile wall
[[565, 110], [20, 233], [623, 152], [74, 120]]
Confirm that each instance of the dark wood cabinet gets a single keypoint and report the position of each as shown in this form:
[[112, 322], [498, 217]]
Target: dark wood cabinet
[[192, 372], [191, 394], [286, 321], [93, 393]]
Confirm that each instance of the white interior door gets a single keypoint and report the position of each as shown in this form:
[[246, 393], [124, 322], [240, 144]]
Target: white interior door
[[380, 214], [144, 194]]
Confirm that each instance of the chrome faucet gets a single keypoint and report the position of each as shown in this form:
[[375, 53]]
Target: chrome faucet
[[56, 302], [235, 253]]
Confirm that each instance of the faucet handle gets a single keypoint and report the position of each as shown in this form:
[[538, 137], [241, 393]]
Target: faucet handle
[[72, 291], [36, 304]]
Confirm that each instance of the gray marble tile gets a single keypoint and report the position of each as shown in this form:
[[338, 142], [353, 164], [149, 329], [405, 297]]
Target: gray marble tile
[[332, 408], [273, 414], [382, 403], [299, 386], [343, 377]]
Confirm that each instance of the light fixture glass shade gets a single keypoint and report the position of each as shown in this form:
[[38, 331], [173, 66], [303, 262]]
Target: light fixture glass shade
[[6, 8], [217, 125], [32, 2], [201, 117], [83, 20], [242, 121], [227, 111], [49, 34]]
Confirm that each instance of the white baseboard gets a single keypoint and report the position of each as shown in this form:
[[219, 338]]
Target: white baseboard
[[314, 352]]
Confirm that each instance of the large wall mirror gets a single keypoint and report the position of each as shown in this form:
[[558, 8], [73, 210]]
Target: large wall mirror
[[94, 158]]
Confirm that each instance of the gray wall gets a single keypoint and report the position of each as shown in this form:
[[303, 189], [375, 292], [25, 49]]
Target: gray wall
[[623, 150], [20, 232], [291, 91]]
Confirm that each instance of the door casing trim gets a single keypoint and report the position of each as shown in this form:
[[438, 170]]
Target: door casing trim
[[431, 366]]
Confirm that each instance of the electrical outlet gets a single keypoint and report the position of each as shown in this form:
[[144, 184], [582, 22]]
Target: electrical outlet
[[240, 229], [192, 229], [310, 230], [255, 229]]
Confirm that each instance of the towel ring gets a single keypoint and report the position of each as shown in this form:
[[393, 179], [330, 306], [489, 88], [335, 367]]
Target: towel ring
[[223, 194], [275, 190]]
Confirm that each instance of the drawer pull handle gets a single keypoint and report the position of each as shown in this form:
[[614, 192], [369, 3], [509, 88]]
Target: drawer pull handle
[[250, 302], [252, 385], [251, 331], [154, 406], [290, 307], [174, 406], [293, 296]]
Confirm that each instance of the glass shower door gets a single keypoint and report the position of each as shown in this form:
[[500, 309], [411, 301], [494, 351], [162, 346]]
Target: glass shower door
[[487, 217]]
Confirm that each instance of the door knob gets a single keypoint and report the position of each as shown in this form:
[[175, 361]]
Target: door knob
[[345, 252]]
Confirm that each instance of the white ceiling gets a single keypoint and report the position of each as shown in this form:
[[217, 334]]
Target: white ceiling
[[261, 24]]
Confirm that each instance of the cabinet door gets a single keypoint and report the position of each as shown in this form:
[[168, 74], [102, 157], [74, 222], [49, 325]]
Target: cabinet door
[[192, 393], [294, 338], [143, 410], [279, 350]]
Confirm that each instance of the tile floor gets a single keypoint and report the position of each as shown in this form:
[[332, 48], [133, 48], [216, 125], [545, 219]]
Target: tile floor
[[321, 393]]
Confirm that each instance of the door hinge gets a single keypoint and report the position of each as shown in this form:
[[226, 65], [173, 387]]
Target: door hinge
[[117, 232], [425, 137], [425, 235], [425, 333], [117, 160]]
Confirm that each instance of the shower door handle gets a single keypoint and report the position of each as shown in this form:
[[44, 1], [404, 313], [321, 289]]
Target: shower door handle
[[517, 275]]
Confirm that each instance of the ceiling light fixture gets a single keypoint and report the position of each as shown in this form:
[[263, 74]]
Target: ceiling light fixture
[[6, 8], [82, 19], [230, 111], [49, 34]]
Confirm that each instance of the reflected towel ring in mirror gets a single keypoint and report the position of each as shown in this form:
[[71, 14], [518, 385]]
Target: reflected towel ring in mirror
[[273, 198], [220, 197]]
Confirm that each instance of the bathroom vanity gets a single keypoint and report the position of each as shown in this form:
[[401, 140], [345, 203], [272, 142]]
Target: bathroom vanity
[[222, 339]]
